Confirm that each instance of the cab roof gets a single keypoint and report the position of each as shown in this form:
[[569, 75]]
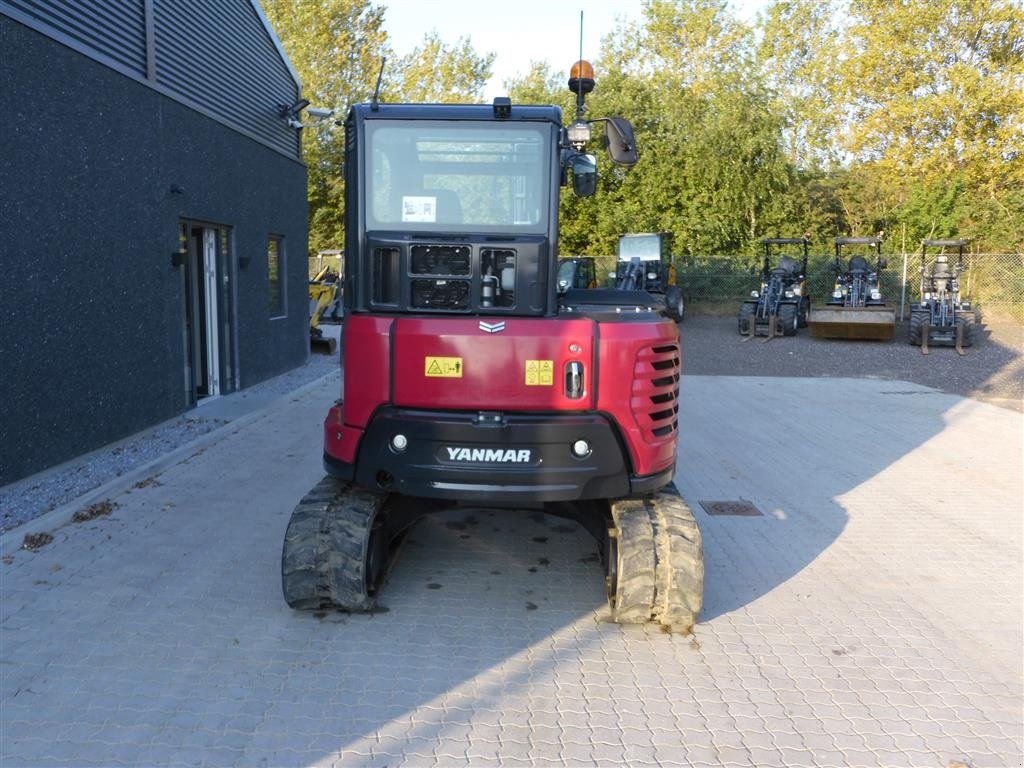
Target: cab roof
[[488, 112]]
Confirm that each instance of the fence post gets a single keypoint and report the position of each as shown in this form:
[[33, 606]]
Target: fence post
[[903, 289]]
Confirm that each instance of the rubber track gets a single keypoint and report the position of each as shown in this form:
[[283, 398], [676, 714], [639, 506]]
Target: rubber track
[[680, 568], [660, 561], [634, 593], [324, 555]]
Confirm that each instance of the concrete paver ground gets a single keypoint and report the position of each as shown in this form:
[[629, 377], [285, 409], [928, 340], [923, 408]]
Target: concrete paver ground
[[871, 616]]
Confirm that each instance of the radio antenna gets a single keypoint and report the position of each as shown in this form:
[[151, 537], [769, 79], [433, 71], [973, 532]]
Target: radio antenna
[[579, 93], [376, 90], [581, 34]]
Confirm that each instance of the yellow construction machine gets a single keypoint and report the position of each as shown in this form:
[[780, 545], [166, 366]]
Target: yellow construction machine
[[324, 304]]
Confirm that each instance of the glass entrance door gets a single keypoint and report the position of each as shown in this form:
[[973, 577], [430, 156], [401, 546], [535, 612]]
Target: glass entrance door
[[207, 312]]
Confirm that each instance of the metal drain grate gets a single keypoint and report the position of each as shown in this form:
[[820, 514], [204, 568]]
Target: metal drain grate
[[734, 508]]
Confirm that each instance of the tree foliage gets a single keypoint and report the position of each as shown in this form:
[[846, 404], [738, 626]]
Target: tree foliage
[[915, 108], [335, 47], [338, 48], [712, 170], [831, 117], [435, 72]]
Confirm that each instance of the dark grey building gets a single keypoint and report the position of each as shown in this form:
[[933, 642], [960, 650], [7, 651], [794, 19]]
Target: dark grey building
[[153, 229]]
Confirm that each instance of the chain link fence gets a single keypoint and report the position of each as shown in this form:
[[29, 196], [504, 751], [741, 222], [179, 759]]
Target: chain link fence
[[994, 282], [333, 259]]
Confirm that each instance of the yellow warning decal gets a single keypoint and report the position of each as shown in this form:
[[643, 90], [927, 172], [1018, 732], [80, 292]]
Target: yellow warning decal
[[540, 373], [443, 367]]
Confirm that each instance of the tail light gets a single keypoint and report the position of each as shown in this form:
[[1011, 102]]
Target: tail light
[[574, 384]]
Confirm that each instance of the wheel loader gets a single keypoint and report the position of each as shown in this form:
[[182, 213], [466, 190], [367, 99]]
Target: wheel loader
[[644, 267], [942, 316], [856, 309], [644, 263], [468, 378], [781, 305]]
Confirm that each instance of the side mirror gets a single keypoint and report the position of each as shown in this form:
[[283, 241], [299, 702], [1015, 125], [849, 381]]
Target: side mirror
[[618, 134], [584, 175], [882, 263]]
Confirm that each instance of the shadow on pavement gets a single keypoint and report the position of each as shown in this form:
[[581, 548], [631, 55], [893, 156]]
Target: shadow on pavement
[[160, 635]]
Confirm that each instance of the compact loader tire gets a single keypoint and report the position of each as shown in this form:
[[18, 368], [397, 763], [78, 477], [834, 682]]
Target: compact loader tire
[[917, 321], [330, 547], [674, 304], [966, 319], [658, 569], [788, 320], [746, 312]]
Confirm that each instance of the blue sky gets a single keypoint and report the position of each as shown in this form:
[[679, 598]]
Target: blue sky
[[519, 31]]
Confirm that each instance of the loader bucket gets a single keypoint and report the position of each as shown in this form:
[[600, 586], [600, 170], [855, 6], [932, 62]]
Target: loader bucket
[[853, 323], [324, 346], [321, 343]]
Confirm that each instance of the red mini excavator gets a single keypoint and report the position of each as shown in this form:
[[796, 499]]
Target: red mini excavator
[[469, 379]]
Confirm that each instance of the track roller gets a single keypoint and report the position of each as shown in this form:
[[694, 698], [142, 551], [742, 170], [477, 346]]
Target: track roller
[[335, 549], [655, 561]]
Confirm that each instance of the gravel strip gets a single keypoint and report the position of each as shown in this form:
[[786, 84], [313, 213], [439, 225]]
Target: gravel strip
[[34, 496], [992, 370]]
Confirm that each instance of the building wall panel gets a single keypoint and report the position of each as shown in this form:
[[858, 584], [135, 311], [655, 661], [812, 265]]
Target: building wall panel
[[96, 172], [115, 29], [217, 54]]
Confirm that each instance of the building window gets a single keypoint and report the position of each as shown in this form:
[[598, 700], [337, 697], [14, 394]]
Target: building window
[[275, 275]]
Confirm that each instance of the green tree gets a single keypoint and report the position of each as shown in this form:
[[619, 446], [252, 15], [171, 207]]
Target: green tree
[[915, 109], [936, 85], [936, 90], [796, 56], [712, 170], [435, 72], [540, 85], [338, 47], [697, 44]]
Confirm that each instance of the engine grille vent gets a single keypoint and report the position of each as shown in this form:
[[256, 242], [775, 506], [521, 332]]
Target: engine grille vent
[[440, 294], [655, 396], [440, 260]]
